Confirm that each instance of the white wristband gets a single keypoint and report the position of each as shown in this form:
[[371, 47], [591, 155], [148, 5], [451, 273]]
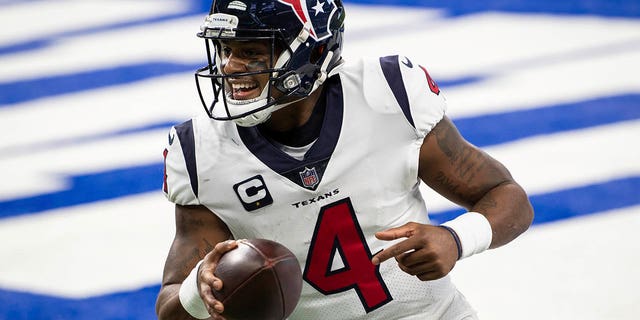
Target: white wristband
[[473, 231], [190, 295]]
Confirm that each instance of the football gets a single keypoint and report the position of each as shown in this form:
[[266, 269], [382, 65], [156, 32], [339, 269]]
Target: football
[[261, 280]]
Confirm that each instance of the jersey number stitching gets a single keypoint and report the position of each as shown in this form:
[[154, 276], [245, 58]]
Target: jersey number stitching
[[337, 231]]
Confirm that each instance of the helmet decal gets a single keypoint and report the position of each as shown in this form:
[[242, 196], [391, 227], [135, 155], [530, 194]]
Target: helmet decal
[[318, 20]]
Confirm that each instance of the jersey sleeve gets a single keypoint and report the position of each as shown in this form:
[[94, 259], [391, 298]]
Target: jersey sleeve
[[409, 86], [180, 177]]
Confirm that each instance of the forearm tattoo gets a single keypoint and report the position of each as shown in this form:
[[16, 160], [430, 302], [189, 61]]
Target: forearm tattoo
[[188, 260], [184, 254]]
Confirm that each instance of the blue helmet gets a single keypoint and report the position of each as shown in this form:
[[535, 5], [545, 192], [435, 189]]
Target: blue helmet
[[307, 33]]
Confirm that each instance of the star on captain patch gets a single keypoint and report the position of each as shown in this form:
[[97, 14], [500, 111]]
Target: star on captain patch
[[309, 177]]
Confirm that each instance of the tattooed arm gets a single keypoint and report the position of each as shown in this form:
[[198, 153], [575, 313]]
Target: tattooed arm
[[469, 177], [198, 233], [473, 179]]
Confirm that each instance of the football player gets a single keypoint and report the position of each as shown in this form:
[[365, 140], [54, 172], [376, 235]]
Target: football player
[[326, 156]]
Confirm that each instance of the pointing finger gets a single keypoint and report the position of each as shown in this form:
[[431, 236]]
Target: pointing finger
[[393, 251], [404, 231]]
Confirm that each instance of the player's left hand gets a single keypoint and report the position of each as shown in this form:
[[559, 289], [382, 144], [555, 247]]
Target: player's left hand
[[207, 281], [428, 252]]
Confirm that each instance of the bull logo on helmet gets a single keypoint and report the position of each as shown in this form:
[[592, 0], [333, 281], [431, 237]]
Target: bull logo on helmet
[[317, 18]]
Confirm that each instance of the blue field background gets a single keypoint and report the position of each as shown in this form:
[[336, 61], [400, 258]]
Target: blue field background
[[485, 130]]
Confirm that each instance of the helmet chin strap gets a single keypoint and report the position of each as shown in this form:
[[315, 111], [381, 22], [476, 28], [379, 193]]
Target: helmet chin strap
[[238, 107], [324, 75], [261, 116], [242, 106]]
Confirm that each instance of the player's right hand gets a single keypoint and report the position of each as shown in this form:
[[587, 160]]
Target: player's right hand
[[207, 281], [427, 252]]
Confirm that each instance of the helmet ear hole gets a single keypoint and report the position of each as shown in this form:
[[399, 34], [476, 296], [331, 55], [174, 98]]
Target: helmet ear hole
[[316, 54]]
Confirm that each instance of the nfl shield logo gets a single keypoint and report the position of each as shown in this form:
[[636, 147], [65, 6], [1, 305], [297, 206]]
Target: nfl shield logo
[[309, 177]]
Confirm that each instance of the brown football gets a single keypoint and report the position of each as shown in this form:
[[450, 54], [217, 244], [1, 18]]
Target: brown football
[[261, 280]]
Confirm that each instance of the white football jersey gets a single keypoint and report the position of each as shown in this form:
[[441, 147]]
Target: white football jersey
[[359, 177]]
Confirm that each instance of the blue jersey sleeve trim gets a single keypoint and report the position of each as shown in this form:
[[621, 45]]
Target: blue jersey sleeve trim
[[187, 141], [391, 71]]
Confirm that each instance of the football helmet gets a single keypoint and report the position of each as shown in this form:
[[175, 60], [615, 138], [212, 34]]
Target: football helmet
[[306, 43]]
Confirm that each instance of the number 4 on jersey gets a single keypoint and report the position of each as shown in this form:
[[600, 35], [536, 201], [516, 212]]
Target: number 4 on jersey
[[338, 232]]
